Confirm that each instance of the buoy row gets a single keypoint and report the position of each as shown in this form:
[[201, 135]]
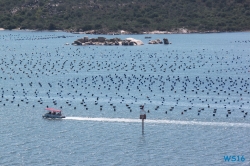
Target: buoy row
[[194, 81]]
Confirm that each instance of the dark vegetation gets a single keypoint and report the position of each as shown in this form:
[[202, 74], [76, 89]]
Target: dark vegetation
[[135, 16]]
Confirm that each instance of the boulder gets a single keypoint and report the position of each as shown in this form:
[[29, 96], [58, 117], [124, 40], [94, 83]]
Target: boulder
[[165, 40], [93, 40], [131, 43], [85, 39], [157, 41], [137, 42], [101, 39], [117, 39], [152, 42], [125, 43], [112, 40], [77, 42], [81, 40]]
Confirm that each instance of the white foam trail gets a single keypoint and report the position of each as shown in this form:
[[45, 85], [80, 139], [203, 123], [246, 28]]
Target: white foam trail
[[225, 124]]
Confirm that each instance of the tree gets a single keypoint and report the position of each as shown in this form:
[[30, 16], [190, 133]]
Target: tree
[[52, 26]]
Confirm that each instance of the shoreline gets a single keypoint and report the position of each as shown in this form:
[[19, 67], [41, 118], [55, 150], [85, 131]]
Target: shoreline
[[122, 32]]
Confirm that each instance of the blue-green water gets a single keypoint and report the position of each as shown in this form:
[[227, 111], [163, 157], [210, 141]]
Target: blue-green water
[[195, 92]]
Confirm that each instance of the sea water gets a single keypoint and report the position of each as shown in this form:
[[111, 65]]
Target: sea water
[[195, 92]]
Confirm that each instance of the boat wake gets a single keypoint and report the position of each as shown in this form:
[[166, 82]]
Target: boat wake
[[178, 122]]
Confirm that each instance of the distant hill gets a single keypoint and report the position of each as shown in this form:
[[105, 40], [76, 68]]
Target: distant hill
[[134, 16]]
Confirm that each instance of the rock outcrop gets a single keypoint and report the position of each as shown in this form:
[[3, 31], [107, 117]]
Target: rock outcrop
[[109, 42], [135, 41], [157, 41], [165, 41]]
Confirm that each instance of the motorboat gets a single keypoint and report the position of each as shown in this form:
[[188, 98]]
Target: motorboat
[[53, 114]]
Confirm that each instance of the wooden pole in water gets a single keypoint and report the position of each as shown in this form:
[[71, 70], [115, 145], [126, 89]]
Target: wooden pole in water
[[142, 116], [142, 126]]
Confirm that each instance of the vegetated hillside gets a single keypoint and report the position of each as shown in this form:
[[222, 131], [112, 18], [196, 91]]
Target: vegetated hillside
[[135, 16]]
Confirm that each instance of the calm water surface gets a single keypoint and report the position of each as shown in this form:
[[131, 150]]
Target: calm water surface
[[195, 92]]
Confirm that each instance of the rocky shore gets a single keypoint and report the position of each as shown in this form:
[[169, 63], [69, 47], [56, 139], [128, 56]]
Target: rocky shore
[[122, 32]]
